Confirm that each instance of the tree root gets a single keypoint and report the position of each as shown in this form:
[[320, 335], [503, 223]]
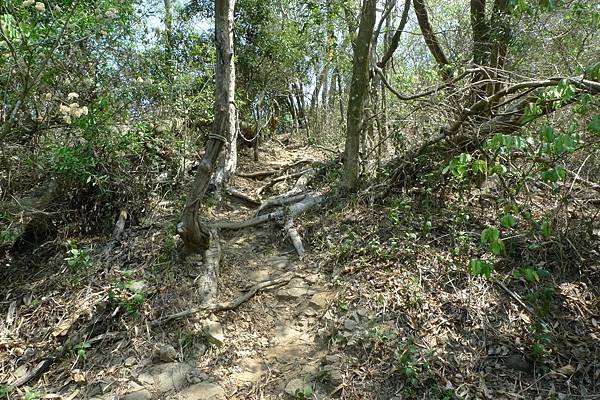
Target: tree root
[[294, 236], [227, 305], [209, 278], [236, 193], [282, 178], [307, 201]]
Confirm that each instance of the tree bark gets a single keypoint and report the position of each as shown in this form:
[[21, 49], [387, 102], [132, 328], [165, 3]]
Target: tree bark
[[196, 237], [430, 38], [227, 159], [358, 94], [391, 44], [499, 36]]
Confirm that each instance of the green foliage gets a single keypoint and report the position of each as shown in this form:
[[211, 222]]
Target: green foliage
[[305, 393], [81, 349], [78, 260], [31, 394], [531, 274], [481, 268], [5, 392], [127, 295]]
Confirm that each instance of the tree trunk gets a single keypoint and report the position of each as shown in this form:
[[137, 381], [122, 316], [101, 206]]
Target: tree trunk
[[359, 90], [169, 22], [499, 36], [430, 38], [196, 237], [169, 38], [228, 158]]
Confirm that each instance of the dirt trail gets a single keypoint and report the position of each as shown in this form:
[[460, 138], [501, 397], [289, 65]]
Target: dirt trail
[[268, 348]]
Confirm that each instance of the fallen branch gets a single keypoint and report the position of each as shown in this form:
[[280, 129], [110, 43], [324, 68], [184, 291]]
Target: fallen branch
[[227, 305], [35, 373]]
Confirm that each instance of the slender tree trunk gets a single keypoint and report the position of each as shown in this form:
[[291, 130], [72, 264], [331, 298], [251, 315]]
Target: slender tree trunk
[[430, 38], [169, 22], [388, 44], [340, 94], [196, 237], [499, 36], [359, 91], [169, 37], [228, 158]]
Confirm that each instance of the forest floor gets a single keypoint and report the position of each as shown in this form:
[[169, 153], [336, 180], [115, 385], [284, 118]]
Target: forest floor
[[381, 307]]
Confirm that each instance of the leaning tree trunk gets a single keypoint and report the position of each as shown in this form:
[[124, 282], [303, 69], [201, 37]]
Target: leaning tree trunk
[[359, 90], [196, 237]]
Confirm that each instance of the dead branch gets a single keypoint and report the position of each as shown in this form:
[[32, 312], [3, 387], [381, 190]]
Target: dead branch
[[227, 305]]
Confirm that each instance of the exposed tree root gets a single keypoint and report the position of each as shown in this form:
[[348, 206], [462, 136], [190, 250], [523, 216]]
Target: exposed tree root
[[236, 193], [257, 174], [282, 178], [308, 201], [294, 236], [279, 201], [209, 278], [227, 305]]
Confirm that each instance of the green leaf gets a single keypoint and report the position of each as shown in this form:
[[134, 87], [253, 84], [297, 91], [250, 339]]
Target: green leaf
[[564, 144], [547, 133], [479, 166], [595, 124], [554, 174], [508, 221], [490, 235], [481, 268], [546, 229], [497, 247]]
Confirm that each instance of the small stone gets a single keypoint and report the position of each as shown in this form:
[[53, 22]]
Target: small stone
[[167, 353], [214, 332], [350, 324], [260, 275], [166, 377], [314, 278], [294, 386], [203, 391], [334, 375], [309, 312], [143, 394], [319, 301], [292, 293], [130, 361]]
